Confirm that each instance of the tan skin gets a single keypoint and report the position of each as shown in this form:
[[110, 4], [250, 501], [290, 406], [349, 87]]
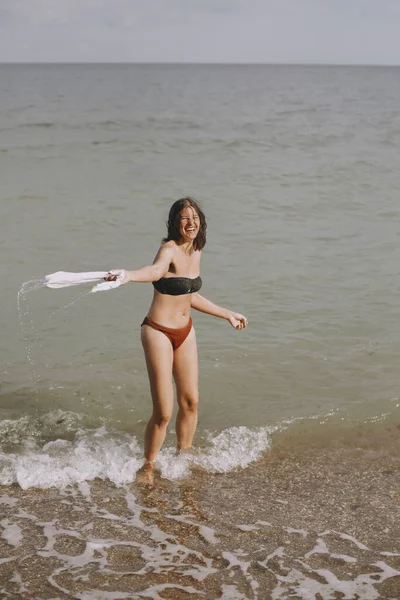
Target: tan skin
[[174, 259]]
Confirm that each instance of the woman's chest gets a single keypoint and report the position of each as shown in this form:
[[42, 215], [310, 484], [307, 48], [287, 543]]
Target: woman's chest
[[186, 266]]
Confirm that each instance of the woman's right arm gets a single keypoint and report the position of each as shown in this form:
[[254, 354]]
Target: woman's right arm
[[147, 274]]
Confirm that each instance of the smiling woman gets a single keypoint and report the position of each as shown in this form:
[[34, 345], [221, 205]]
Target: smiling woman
[[168, 336]]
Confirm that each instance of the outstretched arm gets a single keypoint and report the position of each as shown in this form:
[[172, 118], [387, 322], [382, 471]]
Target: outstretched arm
[[201, 304], [147, 274]]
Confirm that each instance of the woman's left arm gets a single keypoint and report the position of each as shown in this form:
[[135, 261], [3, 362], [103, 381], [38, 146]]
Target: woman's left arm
[[201, 304]]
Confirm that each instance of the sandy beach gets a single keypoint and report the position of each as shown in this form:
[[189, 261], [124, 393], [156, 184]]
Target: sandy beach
[[309, 520]]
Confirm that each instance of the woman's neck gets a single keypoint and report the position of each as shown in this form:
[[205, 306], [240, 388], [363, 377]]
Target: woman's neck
[[186, 247]]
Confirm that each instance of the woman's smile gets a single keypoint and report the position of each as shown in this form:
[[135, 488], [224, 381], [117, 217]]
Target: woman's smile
[[189, 223]]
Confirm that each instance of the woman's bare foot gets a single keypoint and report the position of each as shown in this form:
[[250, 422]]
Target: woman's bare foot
[[184, 451], [145, 475]]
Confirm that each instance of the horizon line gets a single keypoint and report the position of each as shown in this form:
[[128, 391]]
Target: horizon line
[[208, 64]]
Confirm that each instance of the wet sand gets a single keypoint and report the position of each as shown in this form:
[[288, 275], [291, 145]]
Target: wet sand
[[312, 519]]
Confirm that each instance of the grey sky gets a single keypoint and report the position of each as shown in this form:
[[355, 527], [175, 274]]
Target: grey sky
[[311, 31]]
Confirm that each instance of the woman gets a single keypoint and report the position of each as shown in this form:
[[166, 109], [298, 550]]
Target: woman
[[168, 336]]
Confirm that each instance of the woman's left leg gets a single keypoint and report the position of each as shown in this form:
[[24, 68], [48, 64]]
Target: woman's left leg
[[186, 375]]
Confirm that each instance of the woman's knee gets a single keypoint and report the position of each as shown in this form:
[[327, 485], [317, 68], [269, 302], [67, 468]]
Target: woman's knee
[[189, 402], [161, 419]]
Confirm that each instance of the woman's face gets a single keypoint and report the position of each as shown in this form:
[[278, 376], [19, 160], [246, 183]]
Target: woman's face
[[189, 224]]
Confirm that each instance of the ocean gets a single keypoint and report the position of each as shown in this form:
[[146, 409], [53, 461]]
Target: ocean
[[293, 488]]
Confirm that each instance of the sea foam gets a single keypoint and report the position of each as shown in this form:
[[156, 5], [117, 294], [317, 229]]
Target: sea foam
[[117, 456]]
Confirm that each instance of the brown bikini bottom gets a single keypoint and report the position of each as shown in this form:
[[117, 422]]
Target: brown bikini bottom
[[175, 336]]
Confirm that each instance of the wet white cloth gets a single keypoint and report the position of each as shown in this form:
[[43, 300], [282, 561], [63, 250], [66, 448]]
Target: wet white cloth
[[62, 279]]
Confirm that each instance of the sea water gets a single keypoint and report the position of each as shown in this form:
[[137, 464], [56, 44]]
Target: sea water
[[297, 170]]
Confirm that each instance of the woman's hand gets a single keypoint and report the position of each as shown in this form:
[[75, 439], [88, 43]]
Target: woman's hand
[[237, 320], [120, 274]]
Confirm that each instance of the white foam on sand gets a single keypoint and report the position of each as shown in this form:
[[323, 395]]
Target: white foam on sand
[[112, 455], [58, 463], [11, 532], [231, 449], [155, 541]]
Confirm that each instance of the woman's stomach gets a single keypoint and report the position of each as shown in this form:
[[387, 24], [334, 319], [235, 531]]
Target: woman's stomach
[[171, 311]]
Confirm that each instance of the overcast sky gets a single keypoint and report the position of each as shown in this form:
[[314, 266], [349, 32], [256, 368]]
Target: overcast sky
[[261, 31]]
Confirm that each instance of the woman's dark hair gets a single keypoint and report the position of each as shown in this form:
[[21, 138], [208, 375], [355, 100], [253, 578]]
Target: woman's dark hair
[[174, 222]]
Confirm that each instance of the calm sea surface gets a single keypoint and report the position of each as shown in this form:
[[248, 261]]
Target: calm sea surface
[[298, 172]]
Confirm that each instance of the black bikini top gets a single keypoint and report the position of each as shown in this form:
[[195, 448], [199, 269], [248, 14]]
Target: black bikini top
[[177, 286]]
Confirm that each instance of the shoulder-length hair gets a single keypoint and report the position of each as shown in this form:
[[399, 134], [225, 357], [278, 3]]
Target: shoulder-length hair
[[174, 221]]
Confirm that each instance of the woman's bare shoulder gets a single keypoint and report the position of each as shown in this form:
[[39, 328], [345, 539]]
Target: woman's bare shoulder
[[165, 252], [171, 244]]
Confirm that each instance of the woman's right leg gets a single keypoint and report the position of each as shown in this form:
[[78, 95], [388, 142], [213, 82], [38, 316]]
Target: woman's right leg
[[159, 358]]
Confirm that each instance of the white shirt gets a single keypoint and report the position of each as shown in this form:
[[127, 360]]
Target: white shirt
[[62, 279]]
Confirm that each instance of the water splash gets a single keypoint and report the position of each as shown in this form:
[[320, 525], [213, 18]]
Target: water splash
[[109, 454], [31, 332], [23, 315]]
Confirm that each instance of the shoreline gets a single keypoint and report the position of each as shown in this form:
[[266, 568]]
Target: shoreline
[[308, 515]]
